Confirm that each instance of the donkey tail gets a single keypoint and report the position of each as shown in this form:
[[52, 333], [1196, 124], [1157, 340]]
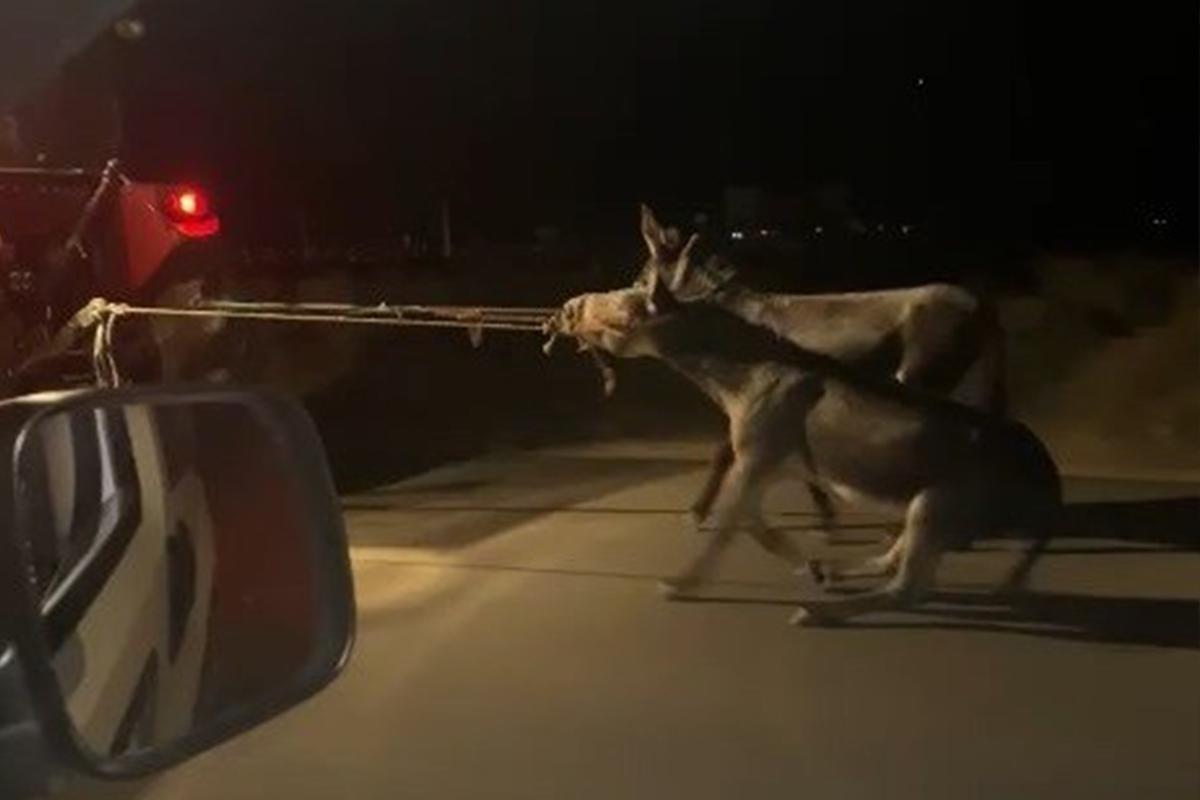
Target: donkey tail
[[984, 385], [1041, 512]]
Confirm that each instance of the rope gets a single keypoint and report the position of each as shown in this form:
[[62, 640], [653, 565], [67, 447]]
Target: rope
[[103, 358], [101, 316], [398, 317], [538, 312]]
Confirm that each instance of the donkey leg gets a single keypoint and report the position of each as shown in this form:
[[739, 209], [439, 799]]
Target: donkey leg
[[826, 513], [753, 489], [699, 568], [740, 490], [922, 550], [1017, 579], [780, 546], [718, 468], [879, 566]]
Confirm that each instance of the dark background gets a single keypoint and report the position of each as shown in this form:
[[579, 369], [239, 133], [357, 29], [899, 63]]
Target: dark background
[[1048, 123]]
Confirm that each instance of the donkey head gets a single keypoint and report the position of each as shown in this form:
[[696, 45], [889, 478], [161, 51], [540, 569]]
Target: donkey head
[[618, 322], [675, 262]]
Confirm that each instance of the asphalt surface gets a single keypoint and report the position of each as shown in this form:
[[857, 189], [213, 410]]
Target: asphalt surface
[[512, 645]]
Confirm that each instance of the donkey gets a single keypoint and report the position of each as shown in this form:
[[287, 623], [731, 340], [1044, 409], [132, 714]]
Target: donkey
[[937, 337], [956, 472]]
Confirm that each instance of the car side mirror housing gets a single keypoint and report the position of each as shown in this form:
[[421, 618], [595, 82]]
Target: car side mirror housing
[[173, 568]]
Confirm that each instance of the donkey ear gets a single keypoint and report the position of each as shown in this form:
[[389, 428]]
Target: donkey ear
[[687, 248], [683, 264], [653, 233]]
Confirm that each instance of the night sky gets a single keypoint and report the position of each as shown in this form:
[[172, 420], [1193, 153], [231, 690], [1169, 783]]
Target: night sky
[[522, 112]]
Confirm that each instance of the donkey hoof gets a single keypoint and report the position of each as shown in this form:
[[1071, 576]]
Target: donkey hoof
[[818, 572], [801, 618], [810, 617], [676, 588], [698, 521]]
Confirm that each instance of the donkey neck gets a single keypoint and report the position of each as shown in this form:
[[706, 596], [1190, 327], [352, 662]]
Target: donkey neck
[[862, 329], [825, 323], [729, 385], [733, 360], [746, 303], [728, 358]]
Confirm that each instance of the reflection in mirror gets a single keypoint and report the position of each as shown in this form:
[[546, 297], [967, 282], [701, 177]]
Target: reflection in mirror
[[174, 566]]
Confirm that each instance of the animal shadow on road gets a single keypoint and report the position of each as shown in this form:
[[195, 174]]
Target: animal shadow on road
[[1172, 523], [1135, 621], [1161, 524], [1118, 527], [1157, 622]]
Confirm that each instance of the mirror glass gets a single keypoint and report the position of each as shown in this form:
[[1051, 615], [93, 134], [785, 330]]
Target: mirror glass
[[175, 563]]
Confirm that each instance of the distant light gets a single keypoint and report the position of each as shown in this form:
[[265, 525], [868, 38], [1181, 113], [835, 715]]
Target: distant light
[[737, 235], [879, 228], [819, 230], [906, 229], [920, 82], [129, 29], [763, 232]]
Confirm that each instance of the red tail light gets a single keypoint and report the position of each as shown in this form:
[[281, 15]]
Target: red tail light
[[188, 211]]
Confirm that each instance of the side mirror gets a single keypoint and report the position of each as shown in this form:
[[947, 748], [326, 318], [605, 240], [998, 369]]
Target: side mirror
[[173, 568]]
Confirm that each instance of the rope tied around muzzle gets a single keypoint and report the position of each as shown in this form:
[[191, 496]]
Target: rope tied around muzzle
[[556, 327]]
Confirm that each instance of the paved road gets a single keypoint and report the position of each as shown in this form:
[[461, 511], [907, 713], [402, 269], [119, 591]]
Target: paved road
[[512, 646]]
